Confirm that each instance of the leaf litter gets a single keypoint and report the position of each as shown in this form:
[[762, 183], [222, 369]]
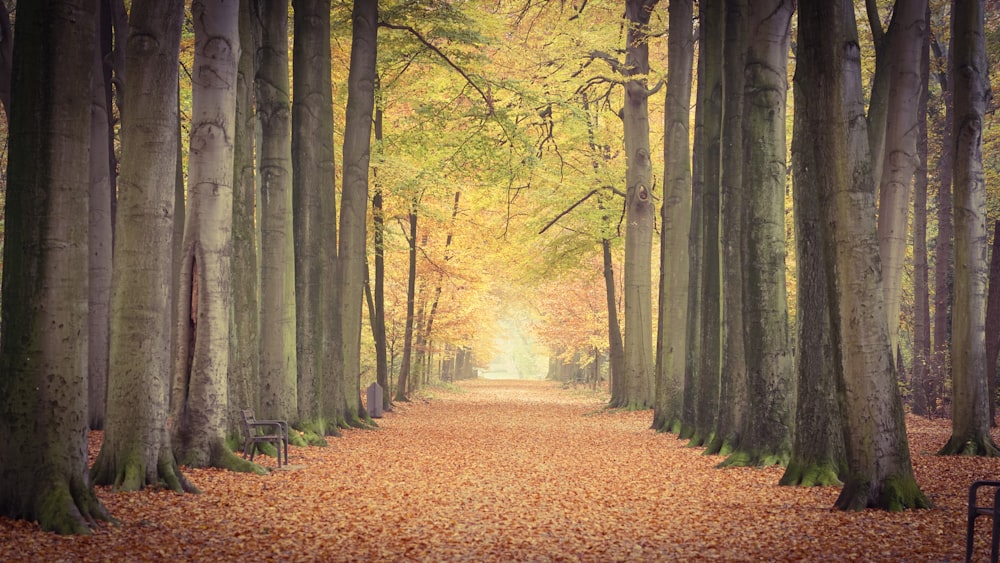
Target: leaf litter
[[517, 471]]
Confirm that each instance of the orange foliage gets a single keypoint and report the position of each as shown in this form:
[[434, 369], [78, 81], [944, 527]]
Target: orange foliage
[[516, 471]]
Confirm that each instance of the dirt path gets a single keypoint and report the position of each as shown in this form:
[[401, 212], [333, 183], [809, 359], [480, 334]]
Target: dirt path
[[515, 471]]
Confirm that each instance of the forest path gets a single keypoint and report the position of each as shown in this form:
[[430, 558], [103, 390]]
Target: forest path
[[516, 471]]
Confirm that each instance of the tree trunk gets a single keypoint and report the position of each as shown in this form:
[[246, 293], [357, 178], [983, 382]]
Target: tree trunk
[[199, 400], [879, 471], [671, 340], [354, 201], [766, 432], [136, 450], [692, 354], [710, 87], [43, 357], [970, 423], [639, 211], [278, 362], [921, 286], [402, 388], [993, 321], [906, 35], [312, 174], [943, 262], [733, 369], [377, 317], [100, 242], [616, 347], [244, 341]]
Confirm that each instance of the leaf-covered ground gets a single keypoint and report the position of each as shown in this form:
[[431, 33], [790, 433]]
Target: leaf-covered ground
[[517, 471]]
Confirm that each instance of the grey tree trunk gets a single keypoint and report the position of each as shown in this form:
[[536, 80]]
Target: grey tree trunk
[[312, 174], [405, 365], [993, 319], [382, 373], [244, 341], [919, 371], [818, 457], [906, 38], [766, 431], [99, 229], [733, 369], [879, 471], [616, 347], [692, 354], [970, 422], [43, 357], [199, 397], [710, 88], [354, 201], [943, 260], [136, 451], [639, 212], [671, 340], [278, 365]]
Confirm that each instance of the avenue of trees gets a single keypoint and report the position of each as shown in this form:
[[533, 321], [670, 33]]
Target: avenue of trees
[[766, 221]]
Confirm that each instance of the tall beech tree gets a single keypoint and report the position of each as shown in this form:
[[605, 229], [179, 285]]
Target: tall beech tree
[[920, 370], [278, 360], [818, 456], [354, 199], [136, 450], [765, 435], [199, 397], [879, 471], [671, 337], [733, 374], [906, 38], [639, 211], [244, 341], [312, 174], [970, 422], [710, 97], [43, 356]]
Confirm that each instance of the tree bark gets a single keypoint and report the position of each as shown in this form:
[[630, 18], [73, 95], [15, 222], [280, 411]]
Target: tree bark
[[671, 341], [970, 423], [378, 304], [943, 260], [403, 387], [43, 355]]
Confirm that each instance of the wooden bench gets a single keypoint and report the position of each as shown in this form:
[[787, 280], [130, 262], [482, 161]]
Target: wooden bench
[[976, 510], [264, 431]]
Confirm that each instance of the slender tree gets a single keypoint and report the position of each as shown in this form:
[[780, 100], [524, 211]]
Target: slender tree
[[136, 450], [970, 423], [919, 372], [671, 340], [43, 355], [354, 201]]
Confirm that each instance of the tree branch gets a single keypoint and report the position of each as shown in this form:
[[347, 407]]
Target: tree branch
[[488, 99]]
